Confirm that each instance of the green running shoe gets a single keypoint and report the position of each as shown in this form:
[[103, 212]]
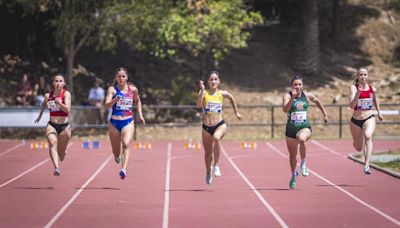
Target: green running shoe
[[292, 183]]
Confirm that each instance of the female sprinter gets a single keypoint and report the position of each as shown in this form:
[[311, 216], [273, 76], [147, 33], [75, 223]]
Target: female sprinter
[[58, 131], [362, 97], [121, 128], [298, 129], [214, 127]]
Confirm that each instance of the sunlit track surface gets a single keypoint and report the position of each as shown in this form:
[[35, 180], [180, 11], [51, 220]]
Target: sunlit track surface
[[165, 187]]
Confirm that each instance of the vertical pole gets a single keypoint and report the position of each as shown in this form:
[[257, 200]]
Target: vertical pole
[[340, 121], [272, 123]]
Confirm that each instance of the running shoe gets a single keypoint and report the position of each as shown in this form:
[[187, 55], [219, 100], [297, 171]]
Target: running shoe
[[217, 171], [304, 171], [366, 170], [209, 178], [122, 173], [117, 159], [57, 172], [292, 183]]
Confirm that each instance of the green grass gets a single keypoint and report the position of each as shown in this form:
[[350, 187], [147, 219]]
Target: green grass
[[392, 165]]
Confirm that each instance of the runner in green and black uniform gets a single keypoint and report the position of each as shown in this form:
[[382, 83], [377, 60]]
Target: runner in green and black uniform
[[298, 129]]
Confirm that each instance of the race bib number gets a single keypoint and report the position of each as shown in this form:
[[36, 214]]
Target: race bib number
[[125, 104], [298, 117], [213, 107], [364, 104], [53, 106]]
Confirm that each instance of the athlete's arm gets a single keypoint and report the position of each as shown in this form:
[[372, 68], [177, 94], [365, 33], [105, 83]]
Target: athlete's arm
[[109, 100], [44, 104], [229, 96], [138, 103], [67, 106], [315, 99], [376, 103], [354, 94], [286, 102], [200, 96]]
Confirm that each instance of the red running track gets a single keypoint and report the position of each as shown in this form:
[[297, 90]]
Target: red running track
[[165, 187]]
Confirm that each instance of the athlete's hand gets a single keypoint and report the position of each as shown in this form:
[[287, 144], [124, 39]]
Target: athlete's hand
[[380, 116], [57, 100], [295, 94], [142, 120], [37, 120], [201, 85], [360, 88], [117, 98], [239, 116], [326, 120]]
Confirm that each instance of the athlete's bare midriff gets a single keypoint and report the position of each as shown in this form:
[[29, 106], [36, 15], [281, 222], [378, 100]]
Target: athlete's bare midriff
[[212, 119]]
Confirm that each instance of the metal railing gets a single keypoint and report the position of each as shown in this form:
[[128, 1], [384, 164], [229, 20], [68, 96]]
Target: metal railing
[[268, 117]]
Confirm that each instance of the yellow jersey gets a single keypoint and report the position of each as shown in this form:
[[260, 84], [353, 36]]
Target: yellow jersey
[[212, 104]]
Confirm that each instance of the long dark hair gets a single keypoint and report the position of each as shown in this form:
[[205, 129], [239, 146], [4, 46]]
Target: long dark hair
[[296, 77]]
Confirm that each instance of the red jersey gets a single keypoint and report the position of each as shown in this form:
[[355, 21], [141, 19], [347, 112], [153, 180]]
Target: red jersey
[[55, 110], [365, 100]]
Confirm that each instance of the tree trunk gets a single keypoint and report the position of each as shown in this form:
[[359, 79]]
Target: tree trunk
[[306, 56], [70, 55], [335, 18]]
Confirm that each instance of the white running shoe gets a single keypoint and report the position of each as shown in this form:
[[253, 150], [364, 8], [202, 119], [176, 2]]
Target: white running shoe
[[57, 172], [209, 178], [217, 171], [304, 171]]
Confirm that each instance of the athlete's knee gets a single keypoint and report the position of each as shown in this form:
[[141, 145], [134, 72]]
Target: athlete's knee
[[124, 145], [358, 147], [368, 136]]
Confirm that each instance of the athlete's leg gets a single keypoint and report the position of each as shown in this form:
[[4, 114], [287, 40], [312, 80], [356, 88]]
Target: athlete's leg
[[292, 145], [63, 139], [115, 138], [208, 149], [126, 139], [52, 139], [357, 134], [368, 128], [303, 135], [218, 135]]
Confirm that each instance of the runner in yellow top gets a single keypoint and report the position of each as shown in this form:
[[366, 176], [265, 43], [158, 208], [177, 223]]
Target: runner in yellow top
[[214, 127]]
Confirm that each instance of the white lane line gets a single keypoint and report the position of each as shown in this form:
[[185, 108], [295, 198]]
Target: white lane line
[[395, 221], [167, 188], [12, 148], [25, 172], [61, 211], [29, 170], [328, 149], [255, 191]]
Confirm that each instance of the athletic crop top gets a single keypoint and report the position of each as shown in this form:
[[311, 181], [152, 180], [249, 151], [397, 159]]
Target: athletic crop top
[[298, 112], [365, 100], [123, 107], [212, 104], [55, 110]]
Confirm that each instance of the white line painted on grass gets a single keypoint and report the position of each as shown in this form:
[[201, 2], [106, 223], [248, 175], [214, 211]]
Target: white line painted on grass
[[12, 148], [395, 221], [255, 191], [167, 188], [328, 149], [25, 172], [61, 211]]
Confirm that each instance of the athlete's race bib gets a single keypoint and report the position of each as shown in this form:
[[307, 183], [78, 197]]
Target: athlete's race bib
[[213, 107], [298, 117], [364, 104], [124, 104], [53, 106]]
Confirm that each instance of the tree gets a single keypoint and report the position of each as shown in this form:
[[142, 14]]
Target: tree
[[306, 56], [197, 29]]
